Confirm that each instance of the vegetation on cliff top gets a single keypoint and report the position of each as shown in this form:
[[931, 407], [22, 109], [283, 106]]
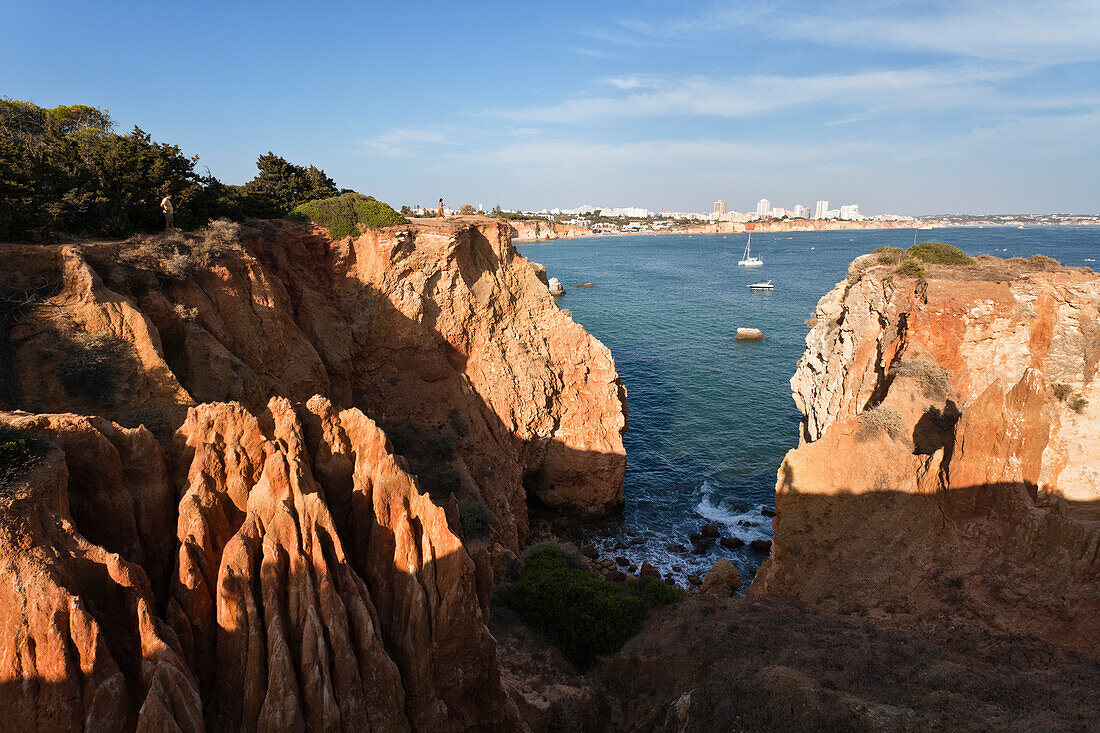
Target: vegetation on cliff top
[[343, 214], [583, 614], [938, 253], [64, 170]]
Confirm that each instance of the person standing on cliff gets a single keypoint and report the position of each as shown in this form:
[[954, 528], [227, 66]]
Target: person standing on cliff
[[167, 208], [440, 208]]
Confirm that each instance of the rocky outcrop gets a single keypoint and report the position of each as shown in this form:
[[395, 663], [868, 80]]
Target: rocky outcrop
[[533, 230], [283, 547], [948, 466], [440, 331], [83, 646]]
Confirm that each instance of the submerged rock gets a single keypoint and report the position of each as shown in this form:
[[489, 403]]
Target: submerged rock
[[761, 546]]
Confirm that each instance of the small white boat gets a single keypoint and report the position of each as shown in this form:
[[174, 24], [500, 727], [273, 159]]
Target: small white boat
[[748, 260], [766, 285]]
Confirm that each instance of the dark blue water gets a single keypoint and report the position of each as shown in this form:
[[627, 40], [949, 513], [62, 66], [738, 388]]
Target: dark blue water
[[711, 417]]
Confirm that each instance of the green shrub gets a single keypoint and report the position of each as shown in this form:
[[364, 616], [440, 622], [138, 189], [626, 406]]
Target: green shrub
[[878, 420], [654, 592], [1078, 404], [939, 253], [19, 452], [889, 255], [475, 520], [935, 381], [1062, 391], [92, 367], [1043, 262], [343, 214], [913, 268], [583, 614]]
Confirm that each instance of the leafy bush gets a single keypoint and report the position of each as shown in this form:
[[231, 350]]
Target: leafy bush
[[913, 268], [19, 452], [939, 253], [1078, 404], [878, 420], [1043, 262], [935, 381], [582, 613], [343, 214], [280, 186], [93, 367], [467, 210], [1062, 391], [474, 517], [65, 170], [889, 255]]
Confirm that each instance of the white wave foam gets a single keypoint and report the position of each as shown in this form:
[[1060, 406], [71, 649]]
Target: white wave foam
[[748, 525]]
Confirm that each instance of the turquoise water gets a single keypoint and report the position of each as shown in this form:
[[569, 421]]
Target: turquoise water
[[711, 417]]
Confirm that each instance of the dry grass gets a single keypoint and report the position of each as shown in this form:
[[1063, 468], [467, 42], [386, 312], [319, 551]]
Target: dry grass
[[935, 381], [93, 367], [879, 420]]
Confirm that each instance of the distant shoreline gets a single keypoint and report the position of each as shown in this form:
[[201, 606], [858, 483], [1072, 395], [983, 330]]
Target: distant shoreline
[[793, 228]]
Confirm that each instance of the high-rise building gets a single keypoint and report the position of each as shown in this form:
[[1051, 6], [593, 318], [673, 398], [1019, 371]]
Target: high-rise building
[[849, 212], [763, 206], [719, 208], [821, 209], [800, 211]]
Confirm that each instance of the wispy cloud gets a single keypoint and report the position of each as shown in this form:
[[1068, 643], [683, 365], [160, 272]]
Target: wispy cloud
[[1035, 31], [888, 89], [405, 141]]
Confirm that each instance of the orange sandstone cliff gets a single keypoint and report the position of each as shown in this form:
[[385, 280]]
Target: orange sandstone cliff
[[949, 471], [223, 532], [532, 230]]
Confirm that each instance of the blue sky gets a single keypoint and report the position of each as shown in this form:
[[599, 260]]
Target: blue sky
[[909, 107]]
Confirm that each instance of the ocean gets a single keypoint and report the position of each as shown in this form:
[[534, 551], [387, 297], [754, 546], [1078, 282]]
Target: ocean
[[711, 417]]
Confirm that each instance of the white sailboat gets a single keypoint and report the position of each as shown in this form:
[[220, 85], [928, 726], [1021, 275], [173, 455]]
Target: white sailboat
[[748, 260]]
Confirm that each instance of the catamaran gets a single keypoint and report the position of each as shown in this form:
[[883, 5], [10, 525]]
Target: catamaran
[[748, 260]]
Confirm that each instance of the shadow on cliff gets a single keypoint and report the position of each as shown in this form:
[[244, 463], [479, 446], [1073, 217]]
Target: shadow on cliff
[[397, 370], [986, 556]]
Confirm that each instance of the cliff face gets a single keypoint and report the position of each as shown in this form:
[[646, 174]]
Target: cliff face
[[271, 561], [950, 460], [537, 229]]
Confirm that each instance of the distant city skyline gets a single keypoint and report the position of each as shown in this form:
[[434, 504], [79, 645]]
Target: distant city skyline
[[973, 106]]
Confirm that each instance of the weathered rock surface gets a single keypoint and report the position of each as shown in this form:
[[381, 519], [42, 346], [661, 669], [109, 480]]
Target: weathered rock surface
[[723, 578], [83, 647], [950, 468], [439, 330], [268, 560], [532, 230]]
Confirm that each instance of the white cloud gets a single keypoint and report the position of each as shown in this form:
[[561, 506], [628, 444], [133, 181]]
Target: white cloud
[[1034, 31], [405, 141], [890, 89]]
